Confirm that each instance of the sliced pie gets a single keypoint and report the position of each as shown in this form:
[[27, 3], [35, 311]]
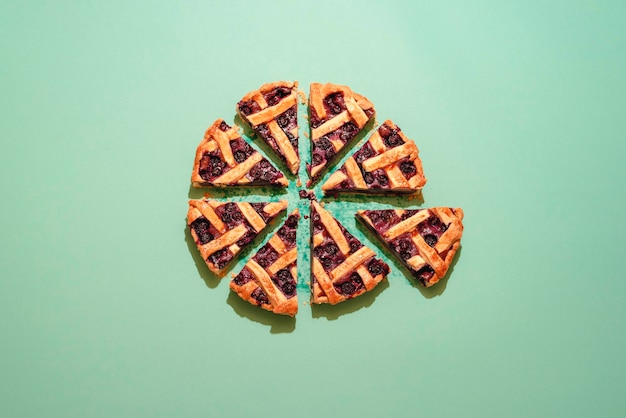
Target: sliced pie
[[336, 116], [272, 112], [387, 163], [425, 240], [223, 158], [341, 267], [222, 229], [270, 277]]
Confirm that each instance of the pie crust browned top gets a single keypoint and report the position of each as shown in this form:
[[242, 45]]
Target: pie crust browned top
[[272, 112], [223, 158], [425, 240], [387, 163], [269, 278], [221, 229], [341, 266], [336, 116]]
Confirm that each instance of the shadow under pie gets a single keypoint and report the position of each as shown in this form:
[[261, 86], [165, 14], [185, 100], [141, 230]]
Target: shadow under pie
[[438, 288], [332, 312], [278, 323], [398, 201]]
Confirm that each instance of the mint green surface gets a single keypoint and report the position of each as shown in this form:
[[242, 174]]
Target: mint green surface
[[106, 310]]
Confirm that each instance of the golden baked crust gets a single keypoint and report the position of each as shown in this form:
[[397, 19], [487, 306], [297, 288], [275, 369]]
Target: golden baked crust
[[221, 229], [425, 240], [223, 158], [341, 266], [269, 278], [387, 163], [336, 116], [271, 111]]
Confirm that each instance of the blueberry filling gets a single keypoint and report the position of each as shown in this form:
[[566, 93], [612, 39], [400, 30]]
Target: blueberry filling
[[211, 166], [408, 169], [260, 296], [425, 274], [431, 230], [350, 286], [266, 256], [275, 96], [230, 214], [258, 207], [241, 150], [220, 258], [334, 103], [201, 227], [243, 277], [246, 238], [288, 119], [376, 267], [248, 107], [224, 126], [263, 171], [364, 153], [285, 282]]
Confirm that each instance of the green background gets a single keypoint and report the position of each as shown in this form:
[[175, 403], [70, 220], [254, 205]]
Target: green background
[[518, 109]]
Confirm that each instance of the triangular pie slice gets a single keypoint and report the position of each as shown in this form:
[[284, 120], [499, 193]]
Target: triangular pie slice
[[222, 229], [336, 116], [424, 240], [269, 279], [387, 163], [223, 158], [341, 266], [272, 113]]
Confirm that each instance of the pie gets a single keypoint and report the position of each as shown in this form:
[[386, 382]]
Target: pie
[[387, 163], [269, 278], [222, 229], [272, 113], [336, 116], [341, 266], [223, 158], [425, 240]]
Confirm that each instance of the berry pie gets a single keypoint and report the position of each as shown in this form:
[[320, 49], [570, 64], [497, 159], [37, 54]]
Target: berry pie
[[223, 158], [387, 163], [222, 230], [336, 116], [269, 278], [272, 113], [425, 240], [341, 267]]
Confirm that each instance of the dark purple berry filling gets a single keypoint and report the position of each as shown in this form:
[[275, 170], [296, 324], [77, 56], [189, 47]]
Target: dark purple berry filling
[[211, 166], [201, 227], [224, 126], [264, 171], [318, 226], [266, 256], [292, 221], [382, 220], [275, 96], [243, 277], [376, 267], [334, 103], [241, 150], [431, 230], [288, 120], [364, 153], [246, 238], [404, 246], [424, 274], [285, 282], [408, 213], [220, 258], [350, 286], [258, 207], [248, 107], [408, 169], [259, 295], [329, 255], [230, 214]]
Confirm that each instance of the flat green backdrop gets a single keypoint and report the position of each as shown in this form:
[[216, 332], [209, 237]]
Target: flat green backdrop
[[107, 310]]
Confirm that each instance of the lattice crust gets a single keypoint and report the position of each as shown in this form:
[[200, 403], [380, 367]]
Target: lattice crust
[[223, 158], [336, 116], [272, 112], [269, 278], [341, 266], [387, 162], [425, 240], [221, 230]]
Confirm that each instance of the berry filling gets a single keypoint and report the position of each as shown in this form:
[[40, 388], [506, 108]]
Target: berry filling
[[364, 153], [403, 245], [285, 282], [220, 258], [424, 274], [243, 277], [260, 296], [230, 214], [248, 107], [275, 96], [201, 226], [211, 166], [431, 230], [258, 207], [329, 255], [288, 120], [382, 220], [352, 285], [264, 171], [376, 267], [266, 256], [241, 150], [408, 169], [224, 126]]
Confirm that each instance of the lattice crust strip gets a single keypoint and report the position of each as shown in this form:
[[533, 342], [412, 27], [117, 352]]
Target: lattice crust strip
[[341, 266], [269, 278], [222, 229], [387, 163], [424, 240], [272, 112]]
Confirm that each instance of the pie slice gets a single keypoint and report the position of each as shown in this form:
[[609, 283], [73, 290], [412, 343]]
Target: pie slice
[[425, 240], [336, 116], [223, 158], [270, 277], [387, 163], [222, 229], [341, 267], [272, 112]]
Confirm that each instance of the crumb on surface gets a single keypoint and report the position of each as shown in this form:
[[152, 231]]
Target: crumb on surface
[[299, 183]]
